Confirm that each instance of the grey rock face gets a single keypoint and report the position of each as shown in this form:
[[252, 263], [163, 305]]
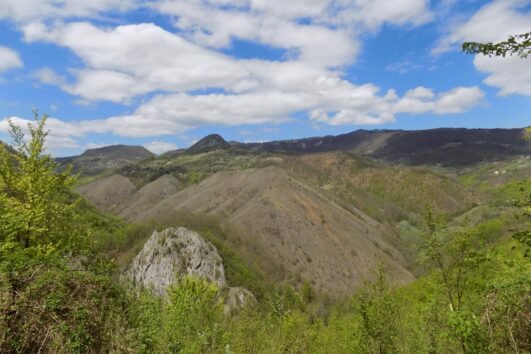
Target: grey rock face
[[174, 253]]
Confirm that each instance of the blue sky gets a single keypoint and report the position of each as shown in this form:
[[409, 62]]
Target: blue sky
[[164, 73]]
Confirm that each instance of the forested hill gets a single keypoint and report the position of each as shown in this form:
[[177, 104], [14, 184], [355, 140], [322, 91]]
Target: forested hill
[[446, 146], [94, 161]]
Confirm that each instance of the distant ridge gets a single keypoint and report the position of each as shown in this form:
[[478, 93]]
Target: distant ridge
[[94, 161], [445, 146], [119, 152], [442, 146]]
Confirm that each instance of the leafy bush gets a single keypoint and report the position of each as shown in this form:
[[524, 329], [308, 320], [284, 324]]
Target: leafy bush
[[52, 308]]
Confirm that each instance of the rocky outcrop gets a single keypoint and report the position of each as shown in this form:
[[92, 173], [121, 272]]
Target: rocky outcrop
[[174, 253]]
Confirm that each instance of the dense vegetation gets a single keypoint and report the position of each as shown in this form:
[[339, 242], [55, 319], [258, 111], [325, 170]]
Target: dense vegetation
[[59, 294]]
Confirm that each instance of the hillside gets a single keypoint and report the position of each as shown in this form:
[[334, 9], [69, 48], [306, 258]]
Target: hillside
[[326, 218], [94, 161], [444, 146], [322, 217], [293, 232]]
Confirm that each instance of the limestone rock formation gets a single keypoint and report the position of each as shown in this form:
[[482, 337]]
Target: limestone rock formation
[[171, 254]]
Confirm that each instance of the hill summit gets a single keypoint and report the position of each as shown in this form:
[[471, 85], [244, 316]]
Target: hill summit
[[126, 152], [93, 161], [209, 143]]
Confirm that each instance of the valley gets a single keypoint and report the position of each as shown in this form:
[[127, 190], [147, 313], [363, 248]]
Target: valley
[[200, 249], [326, 218]]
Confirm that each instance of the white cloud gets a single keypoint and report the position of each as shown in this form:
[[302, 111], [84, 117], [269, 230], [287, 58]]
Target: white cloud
[[458, 100], [333, 101], [420, 100], [404, 66], [291, 9], [266, 23], [62, 135], [372, 14], [131, 60], [327, 38], [49, 77], [127, 61], [159, 147], [319, 37], [9, 59], [94, 84], [494, 22], [512, 75], [95, 145], [28, 10], [423, 100]]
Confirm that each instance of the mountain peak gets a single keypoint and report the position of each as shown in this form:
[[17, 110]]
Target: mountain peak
[[209, 143]]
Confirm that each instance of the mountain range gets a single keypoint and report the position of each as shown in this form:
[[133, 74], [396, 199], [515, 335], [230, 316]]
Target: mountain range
[[319, 210]]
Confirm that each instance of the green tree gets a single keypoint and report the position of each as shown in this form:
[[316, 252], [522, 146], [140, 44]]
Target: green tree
[[379, 311], [37, 210], [519, 44], [505, 311], [456, 256], [192, 317], [52, 300]]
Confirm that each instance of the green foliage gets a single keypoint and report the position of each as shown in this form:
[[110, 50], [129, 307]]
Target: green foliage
[[192, 318], [469, 273], [193, 177], [189, 321], [37, 212], [523, 201], [453, 254], [506, 309], [56, 295], [49, 307], [519, 44], [379, 314]]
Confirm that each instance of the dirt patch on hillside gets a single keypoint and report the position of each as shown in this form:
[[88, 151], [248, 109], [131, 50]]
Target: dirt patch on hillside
[[109, 193]]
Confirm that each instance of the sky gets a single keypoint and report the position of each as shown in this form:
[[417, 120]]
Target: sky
[[164, 73]]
